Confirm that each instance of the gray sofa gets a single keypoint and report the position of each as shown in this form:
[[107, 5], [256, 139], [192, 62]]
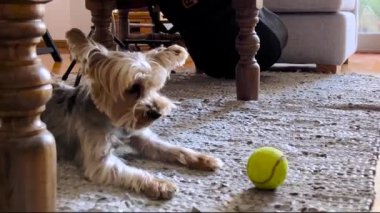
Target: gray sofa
[[321, 32]]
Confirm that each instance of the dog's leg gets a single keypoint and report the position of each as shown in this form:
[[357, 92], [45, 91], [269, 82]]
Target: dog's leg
[[101, 166], [150, 146]]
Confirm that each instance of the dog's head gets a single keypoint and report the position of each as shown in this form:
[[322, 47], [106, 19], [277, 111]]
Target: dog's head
[[125, 85]]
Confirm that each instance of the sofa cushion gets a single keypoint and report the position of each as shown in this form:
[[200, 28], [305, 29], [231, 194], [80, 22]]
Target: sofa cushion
[[315, 38], [310, 5]]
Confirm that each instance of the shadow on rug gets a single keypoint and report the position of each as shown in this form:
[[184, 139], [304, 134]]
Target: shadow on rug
[[327, 125]]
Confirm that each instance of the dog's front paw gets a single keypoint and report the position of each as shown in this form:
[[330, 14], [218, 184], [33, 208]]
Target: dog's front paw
[[160, 189], [200, 161]]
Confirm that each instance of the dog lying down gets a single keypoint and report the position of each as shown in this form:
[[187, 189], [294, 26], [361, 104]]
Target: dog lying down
[[120, 96]]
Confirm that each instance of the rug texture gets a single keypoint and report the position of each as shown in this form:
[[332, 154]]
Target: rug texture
[[327, 125]]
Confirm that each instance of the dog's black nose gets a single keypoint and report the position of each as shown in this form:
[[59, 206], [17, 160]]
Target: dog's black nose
[[153, 114]]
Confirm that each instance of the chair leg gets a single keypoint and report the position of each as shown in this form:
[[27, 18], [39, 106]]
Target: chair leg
[[77, 79], [50, 43], [120, 43], [68, 71], [329, 69]]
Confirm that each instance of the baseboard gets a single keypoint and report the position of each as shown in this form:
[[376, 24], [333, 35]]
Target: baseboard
[[60, 44]]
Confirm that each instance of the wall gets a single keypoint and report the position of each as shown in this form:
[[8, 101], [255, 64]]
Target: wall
[[80, 16], [62, 15]]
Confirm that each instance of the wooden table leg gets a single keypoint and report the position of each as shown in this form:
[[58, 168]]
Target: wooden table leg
[[27, 149], [247, 44], [101, 12], [123, 24]]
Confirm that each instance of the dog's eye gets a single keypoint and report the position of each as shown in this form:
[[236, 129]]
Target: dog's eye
[[135, 89]]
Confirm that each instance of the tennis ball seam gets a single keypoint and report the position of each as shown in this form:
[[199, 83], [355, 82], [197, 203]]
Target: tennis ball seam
[[279, 160]]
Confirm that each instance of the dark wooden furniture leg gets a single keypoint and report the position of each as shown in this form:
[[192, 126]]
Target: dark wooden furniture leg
[[247, 44], [27, 149], [101, 12], [123, 24]]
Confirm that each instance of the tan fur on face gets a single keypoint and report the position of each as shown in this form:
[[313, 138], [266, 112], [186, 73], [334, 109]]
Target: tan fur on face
[[111, 74]]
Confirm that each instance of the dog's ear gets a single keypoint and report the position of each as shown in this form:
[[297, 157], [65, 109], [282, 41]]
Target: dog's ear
[[75, 36], [80, 46], [76, 42], [171, 57]]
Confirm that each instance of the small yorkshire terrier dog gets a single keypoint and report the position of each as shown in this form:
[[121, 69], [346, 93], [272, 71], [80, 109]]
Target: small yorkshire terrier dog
[[119, 100]]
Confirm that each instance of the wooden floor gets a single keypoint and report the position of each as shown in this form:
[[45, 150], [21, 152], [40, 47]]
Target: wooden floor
[[363, 63], [368, 64]]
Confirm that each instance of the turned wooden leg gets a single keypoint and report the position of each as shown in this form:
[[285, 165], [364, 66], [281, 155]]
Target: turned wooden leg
[[123, 24], [27, 149], [329, 69], [247, 44], [101, 12]]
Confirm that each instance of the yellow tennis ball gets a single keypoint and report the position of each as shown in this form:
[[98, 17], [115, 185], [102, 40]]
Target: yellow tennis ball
[[267, 168]]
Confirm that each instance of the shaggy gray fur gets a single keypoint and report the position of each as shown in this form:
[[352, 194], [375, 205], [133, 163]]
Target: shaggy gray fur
[[70, 111]]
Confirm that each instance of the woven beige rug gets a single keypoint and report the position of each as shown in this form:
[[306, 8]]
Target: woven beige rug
[[327, 125]]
